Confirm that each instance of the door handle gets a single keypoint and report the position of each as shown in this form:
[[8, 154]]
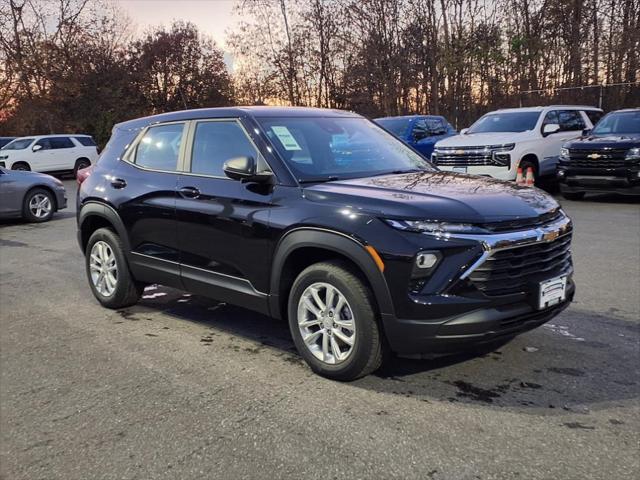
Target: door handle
[[118, 183], [190, 192]]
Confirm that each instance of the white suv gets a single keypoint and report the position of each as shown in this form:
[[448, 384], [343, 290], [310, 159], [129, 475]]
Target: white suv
[[49, 153], [501, 141]]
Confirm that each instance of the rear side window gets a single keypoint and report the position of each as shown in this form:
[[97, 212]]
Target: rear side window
[[86, 141], [216, 142], [594, 116], [60, 142], [570, 120], [159, 148]]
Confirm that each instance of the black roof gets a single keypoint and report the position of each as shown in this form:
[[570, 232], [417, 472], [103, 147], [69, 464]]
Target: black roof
[[234, 112]]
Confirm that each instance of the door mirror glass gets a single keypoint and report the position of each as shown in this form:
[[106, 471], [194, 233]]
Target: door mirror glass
[[550, 128], [36, 148], [245, 169]]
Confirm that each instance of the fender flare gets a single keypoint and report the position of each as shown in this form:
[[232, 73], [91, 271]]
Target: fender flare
[[334, 241], [100, 209]]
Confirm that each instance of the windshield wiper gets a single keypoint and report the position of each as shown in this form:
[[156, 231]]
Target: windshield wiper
[[330, 178]]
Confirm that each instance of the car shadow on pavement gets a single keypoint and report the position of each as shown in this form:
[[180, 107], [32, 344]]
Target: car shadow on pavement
[[9, 222], [566, 366]]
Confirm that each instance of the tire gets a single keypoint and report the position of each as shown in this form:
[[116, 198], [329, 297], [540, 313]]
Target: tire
[[22, 166], [125, 291], [573, 195], [529, 164], [80, 164], [38, 205], [365, 354]]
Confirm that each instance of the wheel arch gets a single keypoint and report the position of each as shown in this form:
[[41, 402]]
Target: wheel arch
[[302, 247], [530, 157], [94, 215], [18, 162]]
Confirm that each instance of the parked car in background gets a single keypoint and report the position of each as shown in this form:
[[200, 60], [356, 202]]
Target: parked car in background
[[267, 208], [605, 159], [419, 131], [30, 195], [502, 141], [5, 140], [49, 153]]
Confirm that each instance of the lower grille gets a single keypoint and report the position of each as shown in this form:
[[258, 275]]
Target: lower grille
[[604, 158], [512, 271]]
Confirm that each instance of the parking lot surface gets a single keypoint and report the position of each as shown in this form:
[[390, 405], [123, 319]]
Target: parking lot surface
[[183, 387]]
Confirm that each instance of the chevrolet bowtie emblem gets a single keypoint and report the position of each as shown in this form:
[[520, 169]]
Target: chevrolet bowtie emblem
[[550, 236], [594, 156], [459, 152]]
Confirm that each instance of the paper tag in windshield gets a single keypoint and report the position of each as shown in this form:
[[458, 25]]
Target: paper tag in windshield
[[285, 137]]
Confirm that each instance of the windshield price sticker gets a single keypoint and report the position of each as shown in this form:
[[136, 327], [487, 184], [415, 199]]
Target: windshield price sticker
[[284, 135]]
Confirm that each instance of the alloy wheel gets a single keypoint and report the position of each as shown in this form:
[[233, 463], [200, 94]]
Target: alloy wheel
[[103, 268], [40, 205], [326, 323]]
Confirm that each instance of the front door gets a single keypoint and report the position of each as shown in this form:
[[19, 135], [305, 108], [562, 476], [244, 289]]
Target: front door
[[223, 223], [571, 125]]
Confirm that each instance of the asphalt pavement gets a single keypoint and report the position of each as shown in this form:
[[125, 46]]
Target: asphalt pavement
[[181, 387]]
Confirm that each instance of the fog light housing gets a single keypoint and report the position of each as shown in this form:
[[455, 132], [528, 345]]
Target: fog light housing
[[561, 173], [426, 260]]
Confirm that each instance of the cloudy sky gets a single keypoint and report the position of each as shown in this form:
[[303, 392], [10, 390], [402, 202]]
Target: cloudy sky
[[211, 16]]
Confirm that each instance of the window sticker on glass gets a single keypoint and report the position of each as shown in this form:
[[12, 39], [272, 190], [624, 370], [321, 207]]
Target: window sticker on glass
[[285, 137]]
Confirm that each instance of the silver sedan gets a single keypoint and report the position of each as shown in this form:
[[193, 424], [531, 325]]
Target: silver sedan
[[30, 195]]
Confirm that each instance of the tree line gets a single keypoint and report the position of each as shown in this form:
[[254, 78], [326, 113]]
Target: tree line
[[78, 65]]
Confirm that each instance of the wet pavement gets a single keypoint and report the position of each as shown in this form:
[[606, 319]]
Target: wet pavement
[[180, 386]]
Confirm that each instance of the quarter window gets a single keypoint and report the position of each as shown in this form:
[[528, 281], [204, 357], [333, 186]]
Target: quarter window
[[159, 148], [216, 142]]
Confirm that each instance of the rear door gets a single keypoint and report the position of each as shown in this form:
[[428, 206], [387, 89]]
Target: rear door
[[63, 153], [222, 223], [143, 187]]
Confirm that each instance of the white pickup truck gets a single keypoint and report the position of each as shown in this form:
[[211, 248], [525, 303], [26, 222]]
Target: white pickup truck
[[501, 141]]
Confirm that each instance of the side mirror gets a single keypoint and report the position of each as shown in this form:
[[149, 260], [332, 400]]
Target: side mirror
[[586, 132], [463, 131], [36, 148], [245, 170], [550, 128]]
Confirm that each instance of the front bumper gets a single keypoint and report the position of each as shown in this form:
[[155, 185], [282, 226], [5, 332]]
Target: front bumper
[[600, 184], [61, 198], [454, 334]]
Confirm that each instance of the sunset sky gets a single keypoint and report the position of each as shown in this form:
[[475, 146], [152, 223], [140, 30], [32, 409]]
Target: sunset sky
[[211, 16]]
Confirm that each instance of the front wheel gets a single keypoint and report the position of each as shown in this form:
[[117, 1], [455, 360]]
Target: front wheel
[[333, 322], [38, 205], [81, 163], [108, 271]]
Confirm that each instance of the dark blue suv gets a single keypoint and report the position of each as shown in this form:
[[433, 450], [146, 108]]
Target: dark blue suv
[[322, 218], [419, 131]]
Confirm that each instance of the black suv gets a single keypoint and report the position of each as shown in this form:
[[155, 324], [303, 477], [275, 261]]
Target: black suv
[[322, 218], [605, 159]]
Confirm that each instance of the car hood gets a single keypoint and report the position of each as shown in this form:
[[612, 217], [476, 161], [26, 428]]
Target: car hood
[[606, 141], [443, 196], [481, 139], [27, 175]]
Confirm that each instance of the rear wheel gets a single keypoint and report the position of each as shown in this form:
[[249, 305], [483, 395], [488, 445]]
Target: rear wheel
[[333, 322], [573, 195], [80, 164], [108, 271], [38, 205]]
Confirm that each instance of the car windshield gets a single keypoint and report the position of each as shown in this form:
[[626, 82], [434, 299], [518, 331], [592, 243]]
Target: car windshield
[[619, 122], [18, 144], [505, 122], [397, 126], [328, 148]]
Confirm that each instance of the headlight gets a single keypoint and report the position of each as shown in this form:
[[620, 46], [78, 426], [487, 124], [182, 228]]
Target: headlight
[[435, 228], [564, 153], [503, 148], [632, 154]]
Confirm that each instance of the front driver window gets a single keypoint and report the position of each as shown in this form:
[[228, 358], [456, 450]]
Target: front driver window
[[215, 142]]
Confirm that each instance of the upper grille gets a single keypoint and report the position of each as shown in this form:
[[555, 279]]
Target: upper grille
[[524, 223], [465, 157], [602, 158], [511, 271]]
